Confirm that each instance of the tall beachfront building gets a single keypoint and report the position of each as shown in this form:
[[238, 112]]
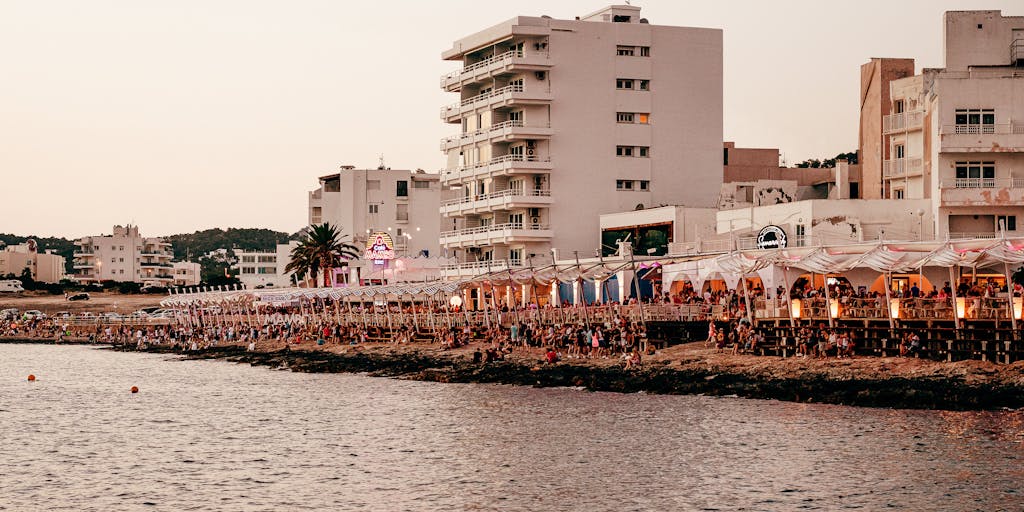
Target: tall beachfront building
[[124, 255], [559, 121], [955, 135]]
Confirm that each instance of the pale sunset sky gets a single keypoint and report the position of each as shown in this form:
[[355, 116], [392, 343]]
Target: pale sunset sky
[[187, 115]]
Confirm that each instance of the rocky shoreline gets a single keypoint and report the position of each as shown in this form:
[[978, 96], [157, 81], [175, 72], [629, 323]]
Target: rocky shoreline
[[865, 382], [926, 392]]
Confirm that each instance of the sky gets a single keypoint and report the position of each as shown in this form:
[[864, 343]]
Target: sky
[[187, 115]]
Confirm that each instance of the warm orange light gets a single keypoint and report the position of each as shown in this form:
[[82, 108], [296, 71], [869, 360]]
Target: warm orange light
[[961, 307], [894, 308], [833, 307], [1018, 305], [795, 308]]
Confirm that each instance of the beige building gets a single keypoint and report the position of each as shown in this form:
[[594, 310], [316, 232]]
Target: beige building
[[123, 255], [45, 267], [187, 273], [876, 105], [956, 134], [559, 121], [265, 268], [362, 201]]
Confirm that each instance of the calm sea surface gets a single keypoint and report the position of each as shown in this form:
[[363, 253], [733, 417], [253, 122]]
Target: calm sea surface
[[209, 435]]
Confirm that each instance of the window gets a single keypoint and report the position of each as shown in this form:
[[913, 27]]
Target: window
[[645, 185], [899, 151], [515, 257], [120, 260], [623, 150], [120, 248], [645, 51], [266, 270], [897, 193], [898, 107], [267, 259], [725, 156], [1007, 222], [645, 85], [625, 51], [401, 212], [248, 270], [632, 117], [374, 208], [113, 260], [402, 188], [643, 118], [624, 117], [975, 120], [624, 83], [623, 184], [420, 184], [248, 259], [644, 151], [372, 184], [975, 174]]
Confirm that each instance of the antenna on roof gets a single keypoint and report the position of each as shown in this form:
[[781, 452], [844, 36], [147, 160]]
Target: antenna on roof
[[380, 166]]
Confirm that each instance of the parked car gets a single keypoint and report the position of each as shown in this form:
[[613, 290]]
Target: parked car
[[9, 314], [79, 296], [33, 314]]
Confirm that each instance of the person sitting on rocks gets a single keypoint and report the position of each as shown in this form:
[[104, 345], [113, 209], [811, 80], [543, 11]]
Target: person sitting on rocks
[[633, 361], [551, 357]]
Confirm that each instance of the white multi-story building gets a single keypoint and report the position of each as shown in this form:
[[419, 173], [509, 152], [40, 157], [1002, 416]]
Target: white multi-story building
[[123, 256], [45, 267], [560, 121], [956, 134], [362, 201], [265, 268]]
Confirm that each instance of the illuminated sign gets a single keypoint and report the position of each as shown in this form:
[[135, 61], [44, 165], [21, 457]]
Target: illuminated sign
[[380, 247], [771, 237]]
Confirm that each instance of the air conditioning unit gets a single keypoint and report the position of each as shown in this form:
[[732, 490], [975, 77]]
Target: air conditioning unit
[[535, 220], [529, 152]]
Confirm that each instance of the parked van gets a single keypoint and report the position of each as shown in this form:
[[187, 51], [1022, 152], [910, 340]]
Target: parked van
[[11, 286]]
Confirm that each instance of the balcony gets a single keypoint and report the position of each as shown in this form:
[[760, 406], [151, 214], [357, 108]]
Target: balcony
[[505, 165], [474, 268], [903, 122], [88, 254], [496, 234], [501, 132], [501, 200], [156, 254], [506, 96], [82, 264], [499, 64], [156, 264], [902, 167], [982, 138], [983, 192]]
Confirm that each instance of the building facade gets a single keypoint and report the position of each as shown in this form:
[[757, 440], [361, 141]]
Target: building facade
[[956, 134], [125, 255], [187, 273], [44, 267], [559, 121], [363, 201], [265, 268]]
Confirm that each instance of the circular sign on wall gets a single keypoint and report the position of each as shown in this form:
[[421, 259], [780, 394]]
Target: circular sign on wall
[[771, 237]]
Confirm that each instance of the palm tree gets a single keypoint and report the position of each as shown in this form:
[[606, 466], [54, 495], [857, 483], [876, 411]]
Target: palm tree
[[323, 249]]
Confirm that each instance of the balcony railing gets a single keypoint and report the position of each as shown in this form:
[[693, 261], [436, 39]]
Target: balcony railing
[[983, 129], [492, 131], [899, 167], [155, 264], [486, 266], [506, 91], [512, 192], [503, 59], [496, 163], [496, 228], [903, 121], [984, 183]]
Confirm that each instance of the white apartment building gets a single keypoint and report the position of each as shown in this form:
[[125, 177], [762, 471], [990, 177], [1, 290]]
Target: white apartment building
[[45, 267], [123, 256], [187, 273], [956, 134], [559, 121], [362, 201], [265, 268]]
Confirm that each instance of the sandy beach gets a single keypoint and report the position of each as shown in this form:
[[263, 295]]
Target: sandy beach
[[99, 302]]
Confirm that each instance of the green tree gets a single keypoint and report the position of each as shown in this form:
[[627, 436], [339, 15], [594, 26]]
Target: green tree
[[322, 249]]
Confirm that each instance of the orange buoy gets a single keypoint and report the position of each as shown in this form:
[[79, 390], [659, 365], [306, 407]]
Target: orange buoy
[[31, 378], [135, 389]]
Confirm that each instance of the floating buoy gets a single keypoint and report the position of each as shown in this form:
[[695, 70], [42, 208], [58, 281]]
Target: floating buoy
[[135, 389], [31, 378]]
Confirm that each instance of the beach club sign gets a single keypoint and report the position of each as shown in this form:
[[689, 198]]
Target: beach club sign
[[379, 247], [771, 237]]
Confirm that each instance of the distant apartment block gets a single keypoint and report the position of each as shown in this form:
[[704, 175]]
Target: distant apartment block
[[123, 256], [955, 135], [400, 202], [187, 273], [45, 267], [265, 268], [559, 121]]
